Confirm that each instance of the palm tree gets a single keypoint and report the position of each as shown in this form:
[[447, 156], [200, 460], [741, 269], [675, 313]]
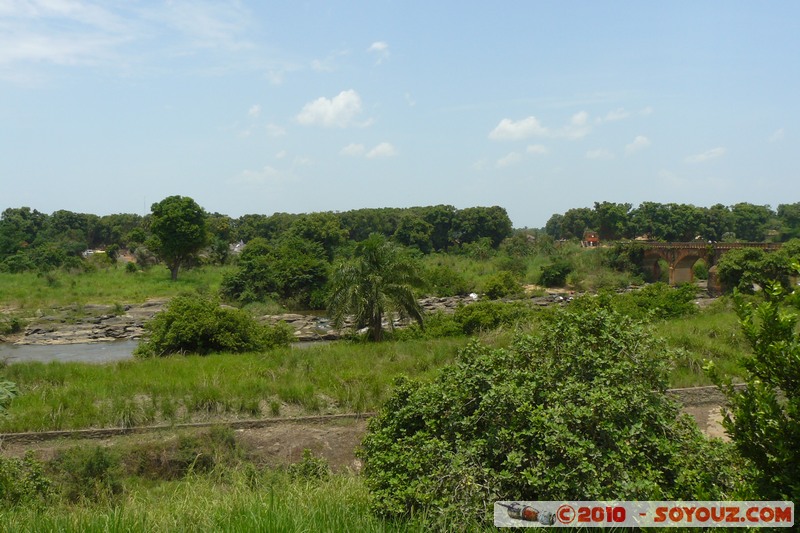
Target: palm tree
[[379, 279]]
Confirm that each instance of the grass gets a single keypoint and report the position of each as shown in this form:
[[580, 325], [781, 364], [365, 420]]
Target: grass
[[331, 378], [235, 499], [711, 335], [30, 291]]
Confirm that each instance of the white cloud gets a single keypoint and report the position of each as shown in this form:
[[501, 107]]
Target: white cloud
[[273, 130], [776, 136], [384, 149], [507, 129], [353, 150], [578, 126], [381, 49], [509, 159], [646, 111], [537, 149], [281, 154], [639, 143], [615, 115], [254, 111], [705, 156], [341, 110], [599, 153], [410, 100]]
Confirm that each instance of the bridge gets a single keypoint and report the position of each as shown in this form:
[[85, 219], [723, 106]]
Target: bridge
[[681, 257]]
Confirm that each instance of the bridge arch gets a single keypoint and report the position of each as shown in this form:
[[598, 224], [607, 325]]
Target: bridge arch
[[682, 256]]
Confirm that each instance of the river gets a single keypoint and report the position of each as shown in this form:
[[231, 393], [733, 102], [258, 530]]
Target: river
[[97, 352]]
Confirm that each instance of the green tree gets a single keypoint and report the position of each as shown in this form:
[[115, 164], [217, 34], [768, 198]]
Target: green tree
[[323, 228], [474, 223], [414, 231], [764, 418], [576, 412], [179, 231], [612, 220], [750, 221], [379, 279], [789, 217], [576, 221]]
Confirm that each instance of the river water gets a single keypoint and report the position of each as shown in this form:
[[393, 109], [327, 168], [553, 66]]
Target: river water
[[98, 352]]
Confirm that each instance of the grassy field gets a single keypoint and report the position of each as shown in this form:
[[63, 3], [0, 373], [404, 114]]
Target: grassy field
[[30, 291], [229, 499], [331, 378]]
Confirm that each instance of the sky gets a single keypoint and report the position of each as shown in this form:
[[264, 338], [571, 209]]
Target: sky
[[263, 107]]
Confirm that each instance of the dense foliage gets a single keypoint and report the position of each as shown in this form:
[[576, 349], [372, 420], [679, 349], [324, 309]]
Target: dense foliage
[[764, 418], [198, 325], [678, 222], [744, 268], [291, 270], [378, 280], [577, 412]]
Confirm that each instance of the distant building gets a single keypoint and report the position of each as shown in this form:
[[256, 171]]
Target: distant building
[[590, 239]]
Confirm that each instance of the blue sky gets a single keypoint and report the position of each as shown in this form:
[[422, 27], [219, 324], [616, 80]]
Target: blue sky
[[263, 107]]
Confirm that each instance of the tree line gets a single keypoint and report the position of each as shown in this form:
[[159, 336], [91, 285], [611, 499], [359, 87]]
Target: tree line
[[679, 222], [32, 240]]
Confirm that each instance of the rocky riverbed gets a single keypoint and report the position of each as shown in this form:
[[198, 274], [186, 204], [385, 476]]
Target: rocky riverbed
[[101, 323]]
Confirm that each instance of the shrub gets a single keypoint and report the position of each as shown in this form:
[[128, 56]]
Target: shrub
[[196, 324], [310, 467], [486, 316], [502, 284], [443, 280], [555, 274], [576, 413], [89, 474], [23, 481], [763, 418]]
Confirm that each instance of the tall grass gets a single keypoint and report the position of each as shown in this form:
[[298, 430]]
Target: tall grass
[[711, 335], [31, 291], [234, 500], [331, 378]]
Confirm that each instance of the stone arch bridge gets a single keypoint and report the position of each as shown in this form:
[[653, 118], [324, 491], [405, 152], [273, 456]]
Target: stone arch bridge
[[681, 257]]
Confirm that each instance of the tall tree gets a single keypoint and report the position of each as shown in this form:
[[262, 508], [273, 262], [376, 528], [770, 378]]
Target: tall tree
[[179, 231], [612, 220], [379, 279]]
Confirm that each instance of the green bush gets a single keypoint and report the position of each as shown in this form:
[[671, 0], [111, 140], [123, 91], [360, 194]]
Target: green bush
[[555, 274], [443, 280], [88, 474], [502, 284], [486, 316], [310, 467], [577, 412], [23, 481], [196, 324], [436, 326], [654, 301]]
